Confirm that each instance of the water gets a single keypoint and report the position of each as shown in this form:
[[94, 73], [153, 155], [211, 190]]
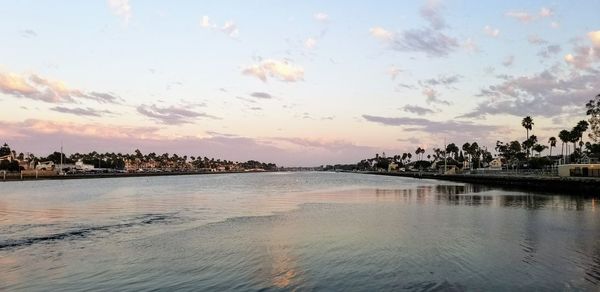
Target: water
[[293, 231]]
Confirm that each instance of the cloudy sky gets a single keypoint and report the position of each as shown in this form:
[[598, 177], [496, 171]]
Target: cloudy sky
[[294, 82]]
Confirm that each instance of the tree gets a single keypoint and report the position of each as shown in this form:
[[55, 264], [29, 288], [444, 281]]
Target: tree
[[564, 136], [593, 110], [527, 123], [552, 142], [5, 150], [467, 150], [529, 143], [418, 152], [452, 148], [580, 128], [539, 148]]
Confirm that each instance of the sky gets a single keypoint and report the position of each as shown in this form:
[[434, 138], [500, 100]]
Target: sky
[[298, 83]]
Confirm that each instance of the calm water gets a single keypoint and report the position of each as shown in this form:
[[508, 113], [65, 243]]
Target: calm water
[[293, 231]]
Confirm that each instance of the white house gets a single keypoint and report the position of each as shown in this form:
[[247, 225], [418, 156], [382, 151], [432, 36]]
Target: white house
[[496, 164], [46, 165]]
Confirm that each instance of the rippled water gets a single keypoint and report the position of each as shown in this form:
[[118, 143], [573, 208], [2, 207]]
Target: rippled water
[[293, 231]]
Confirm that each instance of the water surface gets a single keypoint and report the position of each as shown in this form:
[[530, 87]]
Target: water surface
[[286, 231]]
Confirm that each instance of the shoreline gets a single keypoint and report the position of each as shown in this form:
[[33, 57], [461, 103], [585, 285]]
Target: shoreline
[[539, 183], [17, 177]]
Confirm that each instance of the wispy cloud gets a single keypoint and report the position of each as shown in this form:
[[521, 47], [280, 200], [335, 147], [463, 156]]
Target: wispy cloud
[[229, 27], [393, 71], [321, 16], [172, 115], [584, 56], [433, 97], [381, 33], [546, 12], [121, 8], [431, 12], [282, 70], [310, 43], [78, 111], [549, 51], [28, 33], [431, 42], [428, 40], [415, 109], [543, 94], [470, 46], [443, 80], [432, 127], [490, 31], [262, 95], [39, 88], [508, 61], [536, 40], [521, 16], [526, 17]]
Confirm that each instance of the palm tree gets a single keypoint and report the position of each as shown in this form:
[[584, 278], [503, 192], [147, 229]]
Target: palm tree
[[539, 148], [467, 150], [581, 127], [552, 142], [527, 123], [564, 137]]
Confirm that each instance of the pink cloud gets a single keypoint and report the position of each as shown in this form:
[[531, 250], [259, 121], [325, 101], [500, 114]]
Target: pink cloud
[[43, 137]]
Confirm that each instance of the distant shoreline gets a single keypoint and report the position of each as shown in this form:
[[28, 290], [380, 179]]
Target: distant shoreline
[[16, 177], [538, 183]]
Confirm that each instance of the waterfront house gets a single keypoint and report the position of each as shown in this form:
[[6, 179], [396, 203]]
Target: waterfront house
[[496, 164], [579, 170], [45, 165]]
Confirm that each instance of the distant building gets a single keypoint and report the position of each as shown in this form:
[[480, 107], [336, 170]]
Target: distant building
[[393, 166], [496, 164], [45, 165], [79, 165]]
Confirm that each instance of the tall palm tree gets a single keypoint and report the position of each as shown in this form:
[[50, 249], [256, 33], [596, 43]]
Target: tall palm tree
[[552, 142], [564, 137], [467, 150], [527, 123], [417, 152], [581, 127]]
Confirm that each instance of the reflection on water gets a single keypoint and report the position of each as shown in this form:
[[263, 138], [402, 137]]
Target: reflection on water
[[293, 231], [475, 195]]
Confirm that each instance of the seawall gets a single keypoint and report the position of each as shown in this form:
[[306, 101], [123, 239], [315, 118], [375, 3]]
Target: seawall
[[586, 186]]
